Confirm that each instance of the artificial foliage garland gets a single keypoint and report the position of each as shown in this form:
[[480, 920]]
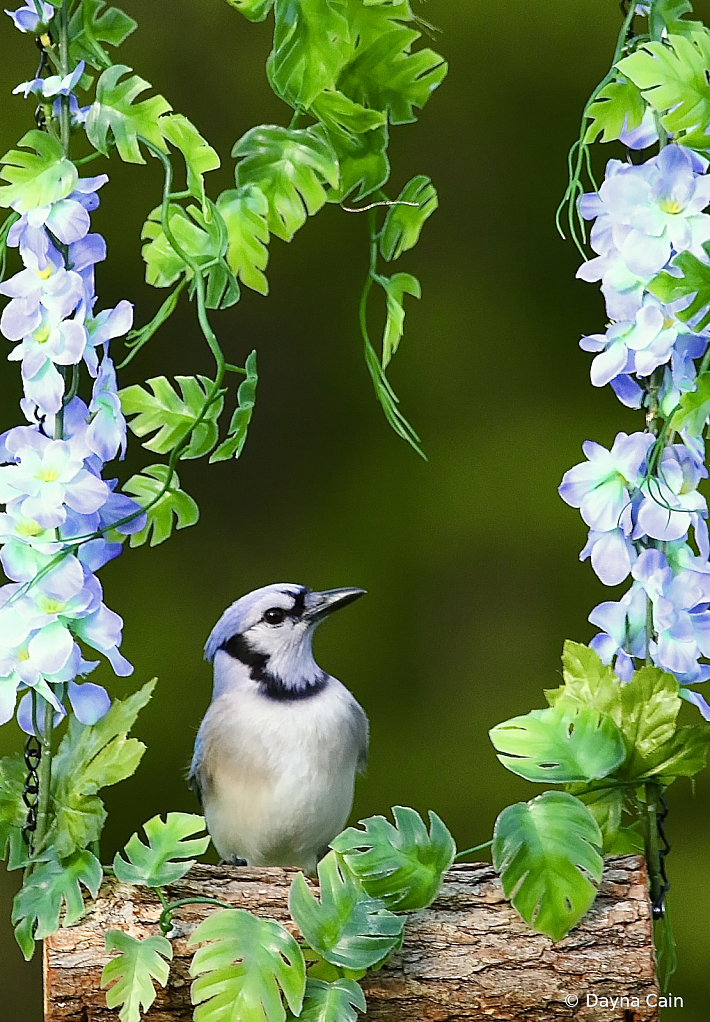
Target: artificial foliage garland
[[63, 521], [610, 736]]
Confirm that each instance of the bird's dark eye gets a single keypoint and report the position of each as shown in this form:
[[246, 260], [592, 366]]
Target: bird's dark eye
[[274, 616]]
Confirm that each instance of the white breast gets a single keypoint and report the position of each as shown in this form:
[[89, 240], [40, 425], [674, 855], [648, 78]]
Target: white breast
[[280, 774]]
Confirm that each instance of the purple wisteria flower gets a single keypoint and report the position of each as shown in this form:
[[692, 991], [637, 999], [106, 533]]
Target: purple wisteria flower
[[680, 607], [646, 133], [61, 520], [643, 215], [33, 17], [106, 434], [53, 85], [49, 477], [641, 500], [612, 553], [601, 487], [632, 346], [671, 502]]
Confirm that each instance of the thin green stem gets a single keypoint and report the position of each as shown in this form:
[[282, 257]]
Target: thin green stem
[[74, 388], [197, 272], [476, 848], [166, 916], [45, 777], [653, 855], [64, 114], [87, 159], [662, 133], [649, 630], [578, 155], [137, 339], [365, 294]]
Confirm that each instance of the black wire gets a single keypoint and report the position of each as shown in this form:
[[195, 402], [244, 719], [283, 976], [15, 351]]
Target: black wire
[[659, 904], [30, 793], [40, 119]]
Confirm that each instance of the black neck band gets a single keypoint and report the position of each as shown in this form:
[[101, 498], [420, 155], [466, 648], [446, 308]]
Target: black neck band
[[239, 649]]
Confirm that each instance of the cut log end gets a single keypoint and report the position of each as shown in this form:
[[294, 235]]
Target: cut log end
[[467, 958]]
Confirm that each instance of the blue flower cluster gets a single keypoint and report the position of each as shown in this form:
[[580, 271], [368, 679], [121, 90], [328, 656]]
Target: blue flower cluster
[[62, 521], [640, 499]]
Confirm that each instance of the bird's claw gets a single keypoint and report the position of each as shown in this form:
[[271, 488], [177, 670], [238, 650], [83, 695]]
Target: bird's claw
[[233, 861]]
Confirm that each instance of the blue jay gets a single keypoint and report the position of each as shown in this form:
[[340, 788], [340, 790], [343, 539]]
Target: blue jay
[[277, 752]]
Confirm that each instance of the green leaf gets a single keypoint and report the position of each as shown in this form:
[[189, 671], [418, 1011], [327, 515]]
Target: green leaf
[[565, 743], [388, 400], [199, 155], [673, 76], [311, 47], [346, 926], [364, 165], [115, 112], [200, 240], [684, 755], [51, 887], [396, 287], [242, 971], [403, 224], [254, 10], [291, 166], [607, 806], [233, 446], [92, 24], [400, 865], [13, 811], [341, 115], [39, 178], [694, 280], [132, 972], [650, 705], [547, 853], [387, 75], [668, 15], [171, 502], [172, 416], [618, 107], [588, 682], [694, 410], [244, 211], [91, 757], [153, 865], [338, 1001]]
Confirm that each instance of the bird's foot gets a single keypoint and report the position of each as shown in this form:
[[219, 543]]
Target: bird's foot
[[233, 861]]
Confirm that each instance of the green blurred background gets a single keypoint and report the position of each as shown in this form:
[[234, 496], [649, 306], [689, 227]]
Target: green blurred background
[[470, 559]]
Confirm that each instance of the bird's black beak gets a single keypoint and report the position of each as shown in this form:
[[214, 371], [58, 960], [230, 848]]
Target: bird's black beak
[[319, 605]]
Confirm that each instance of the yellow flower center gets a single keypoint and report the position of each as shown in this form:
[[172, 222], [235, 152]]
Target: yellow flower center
[[23, 654], [50, 606], [29, 529], [41, 335], [44, 274], [671, 206], [48, 475]]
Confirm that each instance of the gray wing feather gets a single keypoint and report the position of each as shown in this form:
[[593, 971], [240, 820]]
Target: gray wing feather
[[361, 733], [195, 777]]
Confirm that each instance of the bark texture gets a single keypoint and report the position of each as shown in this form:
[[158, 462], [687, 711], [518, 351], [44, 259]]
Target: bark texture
[[468, 958]]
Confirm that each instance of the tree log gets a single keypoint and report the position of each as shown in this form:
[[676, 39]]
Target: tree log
[[467, 957]]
